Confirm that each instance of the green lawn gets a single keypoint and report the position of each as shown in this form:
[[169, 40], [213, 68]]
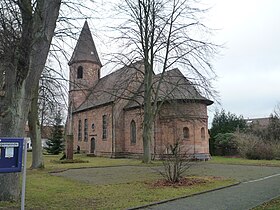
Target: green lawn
[[242, 161], [45, 191], [52, 162]]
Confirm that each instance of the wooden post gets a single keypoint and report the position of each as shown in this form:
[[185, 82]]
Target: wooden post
[[69, 147]]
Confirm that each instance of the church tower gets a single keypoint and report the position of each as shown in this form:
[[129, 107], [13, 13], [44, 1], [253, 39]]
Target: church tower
[[84, 67]]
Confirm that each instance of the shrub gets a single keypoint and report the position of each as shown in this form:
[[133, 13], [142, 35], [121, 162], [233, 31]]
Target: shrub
[[225, 144], [252, 147], [175, 163], [223, 123]]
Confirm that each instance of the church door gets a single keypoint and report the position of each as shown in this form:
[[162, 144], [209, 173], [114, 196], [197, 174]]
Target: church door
[[92, 148]]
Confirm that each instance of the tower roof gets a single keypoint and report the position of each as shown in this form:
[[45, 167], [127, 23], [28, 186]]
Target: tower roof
[[85, 49]]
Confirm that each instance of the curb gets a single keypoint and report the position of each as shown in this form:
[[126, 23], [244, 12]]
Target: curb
[[264, 202], [186, 196]]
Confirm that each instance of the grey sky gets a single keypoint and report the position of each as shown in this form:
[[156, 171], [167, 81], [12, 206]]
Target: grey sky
[[249, 66]]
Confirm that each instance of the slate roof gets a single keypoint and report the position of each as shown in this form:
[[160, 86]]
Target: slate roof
[[85, 49], [174, 86], [113, 86]]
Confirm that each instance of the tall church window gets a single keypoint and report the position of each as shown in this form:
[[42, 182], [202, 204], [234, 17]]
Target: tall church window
[[203, 133], [186, 133], [133, 132], [86, 130], [80, 72], [80, 130], [104, 127]]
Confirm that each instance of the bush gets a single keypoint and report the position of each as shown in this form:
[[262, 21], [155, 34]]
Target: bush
[[225, 144], [175, 163], [224, 123], [252, 147]]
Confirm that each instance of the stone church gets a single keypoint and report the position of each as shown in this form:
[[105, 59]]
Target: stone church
[[106, 113]]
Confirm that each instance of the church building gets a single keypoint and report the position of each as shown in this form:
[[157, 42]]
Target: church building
[[106, 113]]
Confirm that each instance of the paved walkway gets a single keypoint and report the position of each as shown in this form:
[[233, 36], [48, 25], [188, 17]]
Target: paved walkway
[[258, 184], [112, 175], [244, 196]]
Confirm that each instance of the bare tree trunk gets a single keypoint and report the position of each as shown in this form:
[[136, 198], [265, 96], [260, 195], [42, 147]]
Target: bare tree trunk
[[35, 133], [148, 113], [11, 126], [23, 75], [12, 123], [147, 137], [10, 186]]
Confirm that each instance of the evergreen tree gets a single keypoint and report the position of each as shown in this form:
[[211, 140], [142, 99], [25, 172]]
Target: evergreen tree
[[55, 144], [225, 123]]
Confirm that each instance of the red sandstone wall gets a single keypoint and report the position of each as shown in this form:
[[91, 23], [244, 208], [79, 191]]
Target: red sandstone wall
[[78, 88], [172, 130], [137, 116], [94, 116], [169, 128]]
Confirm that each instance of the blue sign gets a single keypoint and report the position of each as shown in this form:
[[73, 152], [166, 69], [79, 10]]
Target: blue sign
[[11, 154]]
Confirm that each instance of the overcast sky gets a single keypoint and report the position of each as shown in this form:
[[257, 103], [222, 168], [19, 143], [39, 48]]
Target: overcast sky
[[249, 66]]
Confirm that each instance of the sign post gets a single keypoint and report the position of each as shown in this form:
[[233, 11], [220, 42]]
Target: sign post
[[24, 176]]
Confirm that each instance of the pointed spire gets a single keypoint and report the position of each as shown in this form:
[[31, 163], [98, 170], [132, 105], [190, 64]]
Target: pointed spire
[[85, 49]]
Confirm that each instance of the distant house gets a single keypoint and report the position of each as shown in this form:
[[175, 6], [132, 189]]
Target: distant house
[[106, 114], [258, 123], [46, 133]]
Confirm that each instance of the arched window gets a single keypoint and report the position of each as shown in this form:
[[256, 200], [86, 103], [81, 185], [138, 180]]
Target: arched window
[[80, 130], [86, 130], [186, 133], [104, 127], [203, 133], [80, 72], [133, 132]]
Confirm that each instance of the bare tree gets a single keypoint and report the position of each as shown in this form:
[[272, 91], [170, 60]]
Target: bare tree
[[48, 94], [27, 28], [165, 33], [34, 23], [51, 94], [175, 162]]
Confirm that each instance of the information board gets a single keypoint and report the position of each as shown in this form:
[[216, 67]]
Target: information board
[[11, 154]]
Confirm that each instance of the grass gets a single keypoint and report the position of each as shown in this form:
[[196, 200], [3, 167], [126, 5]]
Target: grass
[[270, 205], [76, 195], [242, 161], [44, 190], [52, 162]]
